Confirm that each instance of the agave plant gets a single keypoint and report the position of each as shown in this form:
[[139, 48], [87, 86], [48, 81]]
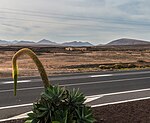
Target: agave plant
[[56, 104]]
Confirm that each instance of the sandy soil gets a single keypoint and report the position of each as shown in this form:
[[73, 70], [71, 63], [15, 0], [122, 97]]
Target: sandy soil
[[131, 112], [60, 62]]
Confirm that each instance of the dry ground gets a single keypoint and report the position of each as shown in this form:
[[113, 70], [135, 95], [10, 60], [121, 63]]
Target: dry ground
[[61, 62], [130, 112]]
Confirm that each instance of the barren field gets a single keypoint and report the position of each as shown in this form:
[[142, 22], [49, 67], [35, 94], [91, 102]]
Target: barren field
[[62, 61]]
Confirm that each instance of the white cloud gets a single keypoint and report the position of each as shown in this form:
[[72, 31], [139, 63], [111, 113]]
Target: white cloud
[[98, 21]]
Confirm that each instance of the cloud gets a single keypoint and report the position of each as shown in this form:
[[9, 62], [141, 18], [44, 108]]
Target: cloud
[[98, 21], [15, 26]]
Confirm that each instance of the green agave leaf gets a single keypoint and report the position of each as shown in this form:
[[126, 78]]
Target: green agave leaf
[[84, 115], [43, 109], [55, 122], [28, 121], [31, 115], [56, 110], [90, 120], [32, 121], [35, 121], [76, 98], [42, 114], [74, 121], [47, 96]]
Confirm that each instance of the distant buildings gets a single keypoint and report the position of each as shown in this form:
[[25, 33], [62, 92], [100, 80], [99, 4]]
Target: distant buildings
[[76, 48]]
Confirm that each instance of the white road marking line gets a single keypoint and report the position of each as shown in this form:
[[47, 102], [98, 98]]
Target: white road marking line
[[16, 117], [15, 106], [108, 81], [76, 84], [25, 114], [116, 93], [111, 103], [102, 75], [78, 77], [132, 73], [29, 104], [90, 99], [118, 74], [20, 81]]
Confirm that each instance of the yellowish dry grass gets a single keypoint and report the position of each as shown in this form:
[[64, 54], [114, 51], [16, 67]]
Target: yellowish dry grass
[[55, 62]]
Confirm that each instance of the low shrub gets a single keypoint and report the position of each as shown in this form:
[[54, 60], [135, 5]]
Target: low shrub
[[105, 67], [58, 105], [132, 66], [140, 61], [119, 66]]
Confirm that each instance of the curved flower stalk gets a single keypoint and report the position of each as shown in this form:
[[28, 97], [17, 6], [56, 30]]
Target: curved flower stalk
[[36, 61], [56, 104]]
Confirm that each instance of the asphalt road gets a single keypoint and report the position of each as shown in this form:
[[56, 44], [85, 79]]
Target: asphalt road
[[100, 88]]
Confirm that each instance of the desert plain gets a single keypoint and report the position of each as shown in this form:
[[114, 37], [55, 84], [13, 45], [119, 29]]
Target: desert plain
[[61, 60]]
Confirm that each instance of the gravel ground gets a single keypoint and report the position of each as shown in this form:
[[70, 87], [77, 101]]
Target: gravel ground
[[131, 112]]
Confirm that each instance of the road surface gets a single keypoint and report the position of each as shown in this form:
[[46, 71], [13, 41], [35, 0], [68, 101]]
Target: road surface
[[100, 88]]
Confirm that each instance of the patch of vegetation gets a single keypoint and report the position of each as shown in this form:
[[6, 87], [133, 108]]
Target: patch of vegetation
[[131, 66], [140, 61], [56, 104], [117, 66]]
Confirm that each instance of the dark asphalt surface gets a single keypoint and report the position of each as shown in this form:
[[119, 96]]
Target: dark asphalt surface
[[29, 88]]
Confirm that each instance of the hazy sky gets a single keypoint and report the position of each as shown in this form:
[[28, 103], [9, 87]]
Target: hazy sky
[[97, 21]]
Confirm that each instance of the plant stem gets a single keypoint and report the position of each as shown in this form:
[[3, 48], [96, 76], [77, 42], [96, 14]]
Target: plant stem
[[36, 61]]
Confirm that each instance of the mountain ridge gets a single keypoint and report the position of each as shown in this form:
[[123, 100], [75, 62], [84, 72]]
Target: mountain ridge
[[77, 43], [128, 41], [45, 42], [121, 41]]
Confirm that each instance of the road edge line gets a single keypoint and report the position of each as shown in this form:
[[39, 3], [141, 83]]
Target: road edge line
[[119, 102]]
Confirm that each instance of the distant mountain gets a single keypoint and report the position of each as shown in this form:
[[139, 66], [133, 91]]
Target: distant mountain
[[47, 42], [3, 42], [14, 42], [77, 44], [24, 42], [126, 41]]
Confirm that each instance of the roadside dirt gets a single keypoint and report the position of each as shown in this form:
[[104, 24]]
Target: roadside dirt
[[131, 112]]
